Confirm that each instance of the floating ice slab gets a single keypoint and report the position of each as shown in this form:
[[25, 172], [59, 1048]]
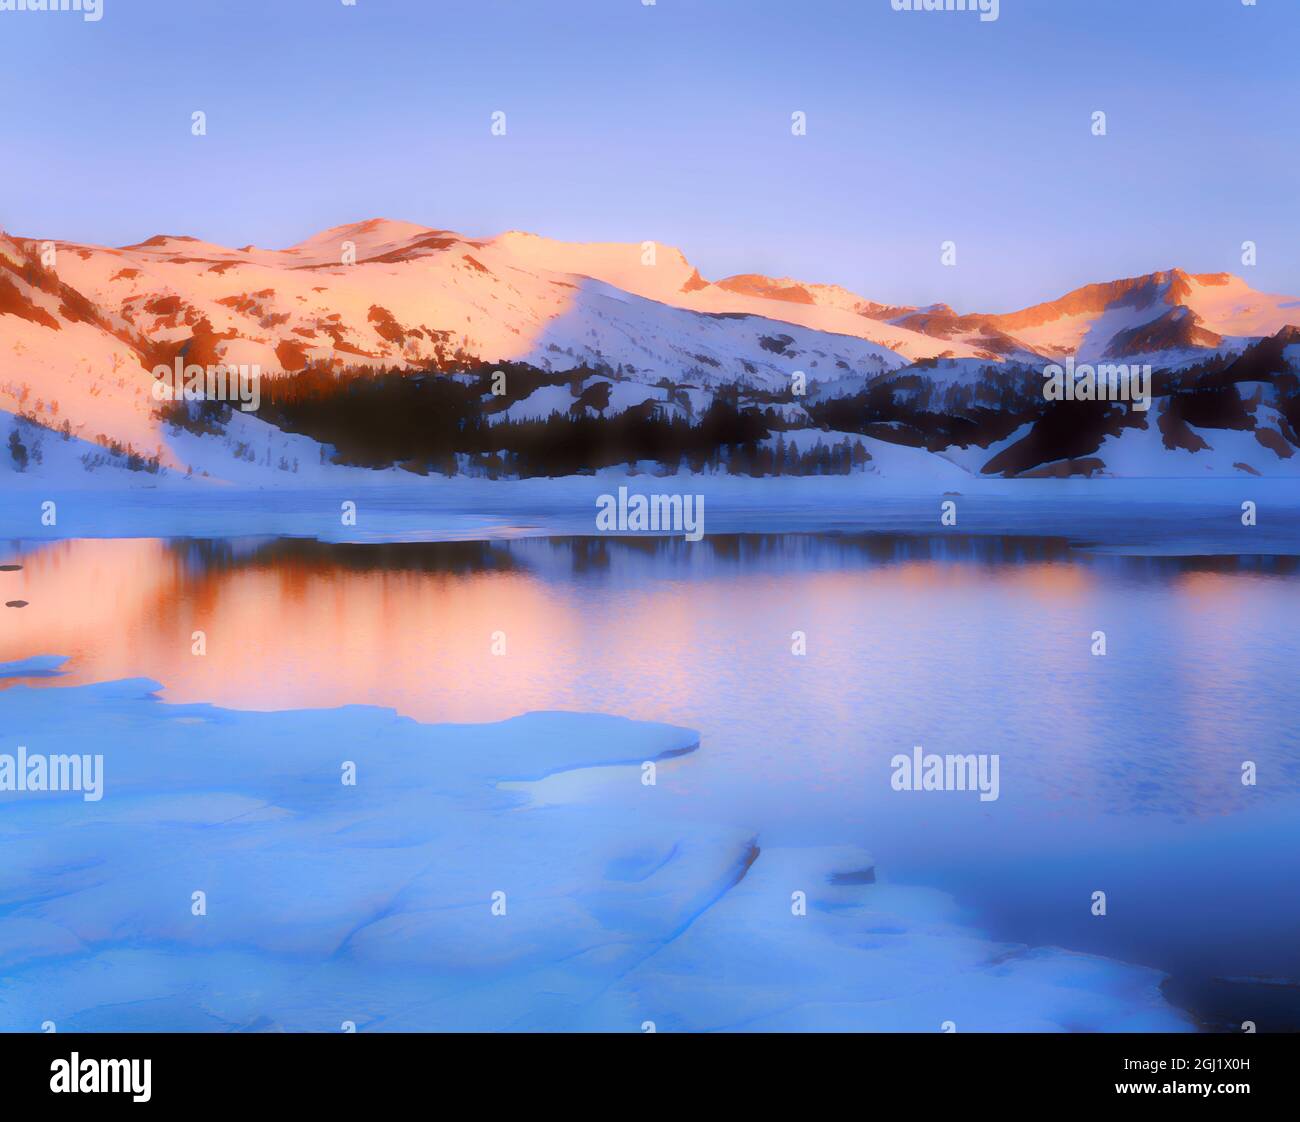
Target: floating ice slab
[[433, 895], [42, 666], [804, 943]]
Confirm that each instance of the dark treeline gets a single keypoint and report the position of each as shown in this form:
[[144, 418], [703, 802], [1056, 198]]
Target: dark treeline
[[437, 423], [452, 420], [910, 408]]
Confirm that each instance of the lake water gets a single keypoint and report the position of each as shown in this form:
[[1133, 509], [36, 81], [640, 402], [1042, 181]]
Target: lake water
[[1119, 773]]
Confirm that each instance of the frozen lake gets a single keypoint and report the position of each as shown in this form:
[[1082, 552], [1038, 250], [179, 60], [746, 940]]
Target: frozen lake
[[1120, 773]]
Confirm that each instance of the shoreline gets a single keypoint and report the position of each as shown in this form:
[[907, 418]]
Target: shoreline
[[1202, 516]]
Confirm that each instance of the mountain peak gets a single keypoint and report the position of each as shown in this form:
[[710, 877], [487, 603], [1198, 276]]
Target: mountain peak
[[369, 231]]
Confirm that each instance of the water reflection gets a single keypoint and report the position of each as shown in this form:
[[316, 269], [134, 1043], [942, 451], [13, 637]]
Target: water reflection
[[957, 643], [981, 643]]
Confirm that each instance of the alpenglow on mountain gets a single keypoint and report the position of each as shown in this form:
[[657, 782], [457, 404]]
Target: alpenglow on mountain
[[83, 327]]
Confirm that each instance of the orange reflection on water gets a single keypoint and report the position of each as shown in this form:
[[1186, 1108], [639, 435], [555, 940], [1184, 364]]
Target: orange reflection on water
[[285, 635], [305, 629]]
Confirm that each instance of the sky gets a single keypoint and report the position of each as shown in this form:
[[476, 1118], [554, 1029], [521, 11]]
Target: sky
[[671, 122]]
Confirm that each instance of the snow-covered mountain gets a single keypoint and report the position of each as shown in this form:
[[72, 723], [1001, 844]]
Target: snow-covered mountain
[[82, 327], [386, 293], [1167, 314]]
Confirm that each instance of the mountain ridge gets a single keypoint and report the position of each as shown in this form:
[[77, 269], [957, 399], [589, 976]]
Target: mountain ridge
[[85, 331], [664, 274]]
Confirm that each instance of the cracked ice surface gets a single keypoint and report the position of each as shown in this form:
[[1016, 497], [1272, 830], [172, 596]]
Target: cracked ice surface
[[372, 903]]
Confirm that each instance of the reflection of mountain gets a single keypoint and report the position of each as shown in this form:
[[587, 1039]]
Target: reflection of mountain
[[624, 559], [307, 555], [82, 327]]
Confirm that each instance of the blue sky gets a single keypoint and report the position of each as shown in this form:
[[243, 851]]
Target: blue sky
[[672, 122]]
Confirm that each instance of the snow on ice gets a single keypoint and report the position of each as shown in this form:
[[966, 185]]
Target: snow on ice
[[231, 878]]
